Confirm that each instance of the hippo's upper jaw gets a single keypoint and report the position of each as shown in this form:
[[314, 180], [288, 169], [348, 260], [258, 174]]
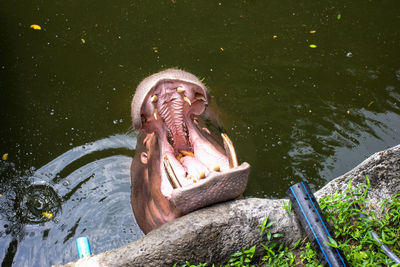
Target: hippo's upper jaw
[[195, 170]]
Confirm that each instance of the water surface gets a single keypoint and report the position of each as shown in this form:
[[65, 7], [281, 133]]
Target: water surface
[[294, 112]]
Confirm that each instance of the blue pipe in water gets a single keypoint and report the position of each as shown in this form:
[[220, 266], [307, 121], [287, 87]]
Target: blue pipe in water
[[82, 244]]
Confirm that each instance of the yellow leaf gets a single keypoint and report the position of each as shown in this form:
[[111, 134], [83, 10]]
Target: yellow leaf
[[275, 36], [370, 103], [313, 46], [47, 215], [83, 41], [312, 31], [5, 156], [35, 27], [222, 49]]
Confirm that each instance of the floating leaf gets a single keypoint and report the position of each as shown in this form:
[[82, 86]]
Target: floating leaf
[[313, 46], [222, 49], [83, 41], [47, 215], [370, 103], [35, 27], [339, 16], [5, 156], [275, 36], [312, 31]]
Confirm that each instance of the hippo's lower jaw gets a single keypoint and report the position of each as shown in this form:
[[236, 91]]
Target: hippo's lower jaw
[[218, 187]]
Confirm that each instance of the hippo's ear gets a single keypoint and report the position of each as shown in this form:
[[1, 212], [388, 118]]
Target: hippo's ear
[[143, 158]]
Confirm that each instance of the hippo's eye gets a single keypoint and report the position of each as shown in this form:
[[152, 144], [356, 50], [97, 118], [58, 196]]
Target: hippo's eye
[[142, 117]]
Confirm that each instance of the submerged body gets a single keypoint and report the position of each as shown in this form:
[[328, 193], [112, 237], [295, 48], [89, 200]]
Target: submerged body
[[180, 165]]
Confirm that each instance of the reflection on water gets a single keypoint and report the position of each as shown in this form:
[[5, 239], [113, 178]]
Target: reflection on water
[[91, 199], [311, 132]]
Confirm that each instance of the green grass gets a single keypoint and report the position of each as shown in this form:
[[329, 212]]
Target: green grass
[[352, 234]]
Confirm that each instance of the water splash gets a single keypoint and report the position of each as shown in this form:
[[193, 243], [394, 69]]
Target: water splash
[[87, 192]]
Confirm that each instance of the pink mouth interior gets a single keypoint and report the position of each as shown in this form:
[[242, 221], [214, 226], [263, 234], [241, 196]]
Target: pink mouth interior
[[172, 118]]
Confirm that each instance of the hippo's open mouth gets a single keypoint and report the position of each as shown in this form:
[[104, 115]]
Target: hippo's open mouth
[[195, 170]]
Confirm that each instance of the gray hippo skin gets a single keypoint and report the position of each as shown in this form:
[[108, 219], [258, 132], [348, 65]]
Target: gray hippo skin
[[180, 165]]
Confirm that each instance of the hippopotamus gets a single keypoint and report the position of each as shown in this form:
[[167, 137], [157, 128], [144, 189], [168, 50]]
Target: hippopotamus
[[183, 162]]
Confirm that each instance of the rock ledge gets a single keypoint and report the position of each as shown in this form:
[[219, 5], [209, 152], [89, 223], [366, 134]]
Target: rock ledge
[[213, 234]]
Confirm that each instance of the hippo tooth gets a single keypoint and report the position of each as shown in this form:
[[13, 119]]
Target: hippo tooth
[[202, 175], [230, 151], [155, 113], [154, 98], [217, 168], [200, 97], [171, 174], [187, 153], [180, 89], [187, 100], [206, 130]]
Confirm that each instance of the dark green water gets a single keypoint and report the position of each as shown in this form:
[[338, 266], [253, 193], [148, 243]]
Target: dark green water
[[293, 112]]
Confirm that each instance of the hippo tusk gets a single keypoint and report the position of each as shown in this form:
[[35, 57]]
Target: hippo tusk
[[230, 151], [155, 113], [171, 174], [187, 100], [200, 97]]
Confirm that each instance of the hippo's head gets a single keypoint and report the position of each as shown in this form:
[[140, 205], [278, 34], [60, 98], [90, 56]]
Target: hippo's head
[[179, 165]]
